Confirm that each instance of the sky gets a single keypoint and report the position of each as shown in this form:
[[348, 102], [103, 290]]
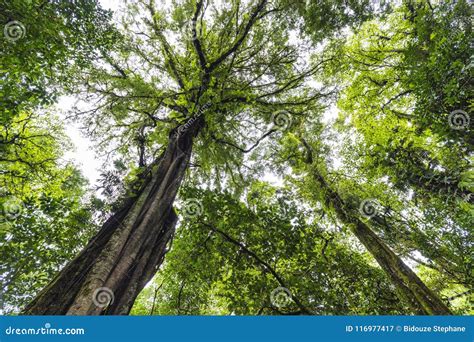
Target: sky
[[83, 154]]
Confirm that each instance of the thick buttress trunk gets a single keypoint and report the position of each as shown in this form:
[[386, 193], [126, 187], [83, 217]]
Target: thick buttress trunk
[[127, 251], [408, 285]]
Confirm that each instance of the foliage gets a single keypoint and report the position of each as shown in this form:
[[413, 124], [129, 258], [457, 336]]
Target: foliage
[[234, 254], [35, 59], [260, 77], [43, 220]]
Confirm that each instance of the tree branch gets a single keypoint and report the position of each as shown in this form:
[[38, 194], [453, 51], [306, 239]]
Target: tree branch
[[240, 148], [261, 262], [253, 18]]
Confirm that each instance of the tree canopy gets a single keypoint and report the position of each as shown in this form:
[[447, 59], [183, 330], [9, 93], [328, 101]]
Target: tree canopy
[[264, 157]]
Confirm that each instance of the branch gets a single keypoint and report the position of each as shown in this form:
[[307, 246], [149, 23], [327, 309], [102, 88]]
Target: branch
[[196, 41], [179, 295], [240, 148], [238, 43], [152, 311], [459, 295], [261, 262], [166, 45], [406, 92]]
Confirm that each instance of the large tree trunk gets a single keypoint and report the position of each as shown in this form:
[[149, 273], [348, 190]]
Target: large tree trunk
[[408, 285], [107, 276]]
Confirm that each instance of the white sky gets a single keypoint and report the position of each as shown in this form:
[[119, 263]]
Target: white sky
[[110, 4], [83, 154]]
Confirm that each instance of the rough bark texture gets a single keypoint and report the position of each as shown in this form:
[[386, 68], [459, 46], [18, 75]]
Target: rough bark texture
[[129, 248], [408, 285]]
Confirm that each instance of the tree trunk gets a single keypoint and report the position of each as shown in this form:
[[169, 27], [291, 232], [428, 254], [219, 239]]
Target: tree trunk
[[107, 276], [408, 285]]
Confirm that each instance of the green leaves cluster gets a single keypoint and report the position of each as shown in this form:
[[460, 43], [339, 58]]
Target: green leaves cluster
[[234, 254], [395, 75]]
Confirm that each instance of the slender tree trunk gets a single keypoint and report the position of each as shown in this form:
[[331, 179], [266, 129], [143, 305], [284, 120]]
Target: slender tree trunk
[[107, 276], [408, 285]]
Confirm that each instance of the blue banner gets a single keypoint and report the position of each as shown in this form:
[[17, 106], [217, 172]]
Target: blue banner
[[236, 328]]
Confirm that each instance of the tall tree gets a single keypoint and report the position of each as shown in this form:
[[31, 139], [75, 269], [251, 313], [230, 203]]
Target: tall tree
[[43, 217], [384, 99], [192, 92], [404, 112], [209, 87], [352, 212]]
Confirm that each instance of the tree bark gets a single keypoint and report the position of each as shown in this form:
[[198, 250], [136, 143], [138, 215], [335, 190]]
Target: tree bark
[[107, 276], [408, 285]]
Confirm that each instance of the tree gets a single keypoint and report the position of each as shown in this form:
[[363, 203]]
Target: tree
[[340, 197], [35, 60], [266, 254], [369, 68], [215, 96], [399, 89], [207, 84], [43, 215], [404, 88]]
